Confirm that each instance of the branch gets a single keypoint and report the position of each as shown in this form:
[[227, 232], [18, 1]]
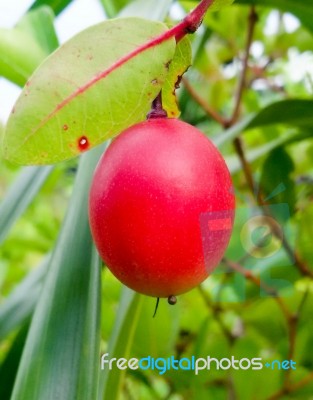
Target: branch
[[205, 106], [242, 80], [293, 388], [193, 20], [190, 23], [216, 310], [257, 281]]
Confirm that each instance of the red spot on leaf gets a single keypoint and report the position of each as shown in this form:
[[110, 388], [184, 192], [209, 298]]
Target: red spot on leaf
[[65, 127], [83, 143]]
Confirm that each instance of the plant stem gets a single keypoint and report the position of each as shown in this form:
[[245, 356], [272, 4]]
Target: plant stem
[[253, 17], [193, 20], [188, 25], [157, 110]]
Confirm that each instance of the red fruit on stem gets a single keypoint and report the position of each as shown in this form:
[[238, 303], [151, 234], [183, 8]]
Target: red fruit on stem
[[161, 207]]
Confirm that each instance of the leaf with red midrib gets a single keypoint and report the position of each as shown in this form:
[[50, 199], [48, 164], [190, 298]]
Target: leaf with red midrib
[[89, 90]]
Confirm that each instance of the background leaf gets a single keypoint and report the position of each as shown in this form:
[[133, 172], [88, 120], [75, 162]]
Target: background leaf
[[216, 5], [120, 342], [19, 306], [19, 196], [66, 320], [302, 9], [294, 112], [56, 5], [9, 366], [25, 46], [63, 111], [113, 7], [276, 173], [40, 25]]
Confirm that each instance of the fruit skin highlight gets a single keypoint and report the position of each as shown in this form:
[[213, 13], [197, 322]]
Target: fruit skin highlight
[[147, 196]]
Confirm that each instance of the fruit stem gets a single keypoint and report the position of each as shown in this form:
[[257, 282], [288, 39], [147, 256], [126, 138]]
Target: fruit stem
[[188, 25], [157, 110], [156, 307]]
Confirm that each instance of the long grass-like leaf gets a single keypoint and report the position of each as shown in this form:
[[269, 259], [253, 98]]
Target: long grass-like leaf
[[19, 306], [63, 339], [20, 195], [120, 343], [9, 366]]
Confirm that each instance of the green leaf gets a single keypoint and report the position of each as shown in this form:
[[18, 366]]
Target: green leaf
[[294, 112], [40, 25], [20, 304], [113, 7], [20, 195], [89, 90], [9, 366], [230, 134], [276, 174], [66, 319], [300, 8], [24, 47], [179, 65], [254, 154], [157, 336], [120, 342], [305, 234], [56, 5], [216, 5]]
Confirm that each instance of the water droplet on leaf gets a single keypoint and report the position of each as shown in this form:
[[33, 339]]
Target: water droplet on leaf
[[83, 143]]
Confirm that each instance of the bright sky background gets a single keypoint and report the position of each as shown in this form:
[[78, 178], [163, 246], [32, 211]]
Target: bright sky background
[[82, 13]]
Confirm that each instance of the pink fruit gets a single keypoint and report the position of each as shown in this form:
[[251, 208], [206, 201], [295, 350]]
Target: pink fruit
[[157, 199]]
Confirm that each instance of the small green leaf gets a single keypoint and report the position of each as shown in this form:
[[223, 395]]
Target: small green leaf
[[94, 86], [179, 65], [276, 174], [113, 7], [216, 5]]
